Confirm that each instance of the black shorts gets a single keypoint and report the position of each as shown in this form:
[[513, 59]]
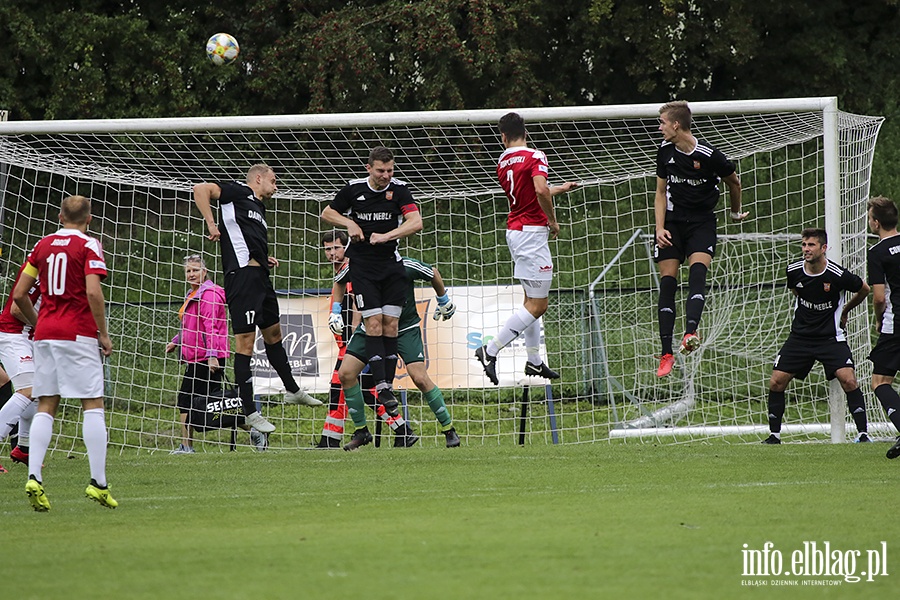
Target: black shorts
[[885, 356], [798, 355], [251, 299], [688, 237], [198, 380], [375, 287]]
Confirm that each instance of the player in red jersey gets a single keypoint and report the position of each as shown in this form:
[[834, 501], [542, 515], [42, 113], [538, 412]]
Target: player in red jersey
[[67, 361], [523, 173], [17, 355]]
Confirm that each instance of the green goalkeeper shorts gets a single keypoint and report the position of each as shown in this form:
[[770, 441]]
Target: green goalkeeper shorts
[[409, 345]]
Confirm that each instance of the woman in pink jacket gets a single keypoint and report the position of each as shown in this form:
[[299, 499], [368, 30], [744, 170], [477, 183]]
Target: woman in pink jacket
[[203, 340]]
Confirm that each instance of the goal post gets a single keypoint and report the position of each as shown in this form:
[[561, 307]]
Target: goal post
[[802, 162]]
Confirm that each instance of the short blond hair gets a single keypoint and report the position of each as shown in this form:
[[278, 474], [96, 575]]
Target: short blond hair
[[75, 210], [257, 169]]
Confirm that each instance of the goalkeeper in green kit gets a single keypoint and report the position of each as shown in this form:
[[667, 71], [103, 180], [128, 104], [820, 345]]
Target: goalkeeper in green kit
[[410, 348]]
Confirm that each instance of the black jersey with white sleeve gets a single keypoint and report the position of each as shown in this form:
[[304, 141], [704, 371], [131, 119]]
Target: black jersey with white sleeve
[[242, 225], [692, 180], [820, 299], [883, 265], [375, 211]]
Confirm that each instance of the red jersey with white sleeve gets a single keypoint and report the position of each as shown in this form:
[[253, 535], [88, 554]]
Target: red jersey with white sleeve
[[62, 261], [516, 170], [9, 323]]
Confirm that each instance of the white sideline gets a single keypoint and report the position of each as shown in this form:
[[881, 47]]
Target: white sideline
[[877, 427]]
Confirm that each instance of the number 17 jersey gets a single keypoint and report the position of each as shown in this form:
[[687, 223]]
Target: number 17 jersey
[[516, 170], [61, 261]]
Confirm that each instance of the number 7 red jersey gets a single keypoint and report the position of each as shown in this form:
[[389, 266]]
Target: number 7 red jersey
[[61, 262], [516, 170]]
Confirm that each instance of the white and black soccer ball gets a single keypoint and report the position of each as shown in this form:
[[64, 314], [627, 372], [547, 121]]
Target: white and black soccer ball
[[222, 49]]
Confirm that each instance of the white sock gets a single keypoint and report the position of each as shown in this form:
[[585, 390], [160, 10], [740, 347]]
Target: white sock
[[11, 412], [94, 433], [41, 432], [25, 422], [513, 328], [532, 337]]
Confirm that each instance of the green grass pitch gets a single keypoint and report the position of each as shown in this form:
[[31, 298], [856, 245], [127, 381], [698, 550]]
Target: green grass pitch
[[580, 521]]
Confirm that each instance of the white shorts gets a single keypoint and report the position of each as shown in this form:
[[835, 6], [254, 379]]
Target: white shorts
[[530, 251], [68, 369], [17, 356]]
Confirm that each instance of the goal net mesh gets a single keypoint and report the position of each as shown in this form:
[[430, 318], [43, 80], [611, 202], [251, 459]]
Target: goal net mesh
[[600, 331]]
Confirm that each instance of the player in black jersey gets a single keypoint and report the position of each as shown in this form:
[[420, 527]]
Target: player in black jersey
[[817, 331], [688, 172], [248, 288], [884, 278], [377, 211], [343, 320]]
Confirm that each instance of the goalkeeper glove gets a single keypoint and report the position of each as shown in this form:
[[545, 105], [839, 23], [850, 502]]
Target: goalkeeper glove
[[335, 320], [445, 308]]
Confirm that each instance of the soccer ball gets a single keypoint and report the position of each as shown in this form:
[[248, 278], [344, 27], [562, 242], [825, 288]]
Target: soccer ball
[[222, 49]]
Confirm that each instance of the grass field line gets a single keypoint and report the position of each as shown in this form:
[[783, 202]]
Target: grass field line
[[507, 492], [409, 493]]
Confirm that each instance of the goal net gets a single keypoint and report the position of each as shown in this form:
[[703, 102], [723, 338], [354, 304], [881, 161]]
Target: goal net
[[801, 163]]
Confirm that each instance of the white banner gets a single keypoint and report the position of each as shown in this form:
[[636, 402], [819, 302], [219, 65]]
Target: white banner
[[449, 345]]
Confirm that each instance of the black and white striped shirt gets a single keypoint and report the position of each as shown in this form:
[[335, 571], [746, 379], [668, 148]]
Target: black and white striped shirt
[[242, 225], [884, 269], [692, 180], [820, 299], [375, 211]]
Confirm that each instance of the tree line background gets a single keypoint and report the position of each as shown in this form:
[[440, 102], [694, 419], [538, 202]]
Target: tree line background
[[145, 58]]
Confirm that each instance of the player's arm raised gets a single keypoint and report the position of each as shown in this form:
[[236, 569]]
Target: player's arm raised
[[545, 199], [445, 308], [564, 188], [203, 193]]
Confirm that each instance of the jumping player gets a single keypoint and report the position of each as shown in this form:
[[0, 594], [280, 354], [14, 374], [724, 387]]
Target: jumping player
[[523, 174], [688, 171], [249, 293]]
